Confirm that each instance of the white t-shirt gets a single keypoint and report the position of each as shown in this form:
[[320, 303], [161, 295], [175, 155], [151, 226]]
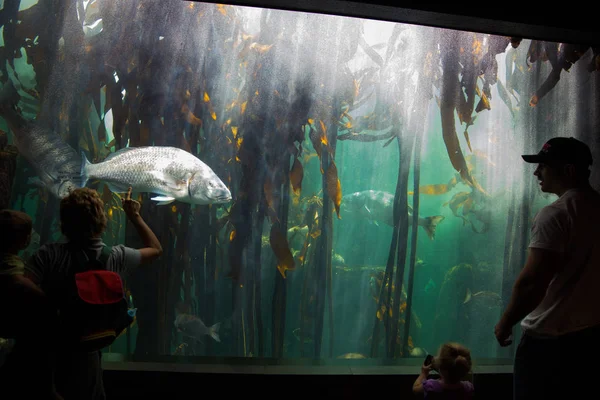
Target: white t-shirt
[[570, 226]]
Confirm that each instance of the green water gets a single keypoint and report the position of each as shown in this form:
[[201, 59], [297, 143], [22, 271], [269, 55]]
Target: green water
[[216, 61]]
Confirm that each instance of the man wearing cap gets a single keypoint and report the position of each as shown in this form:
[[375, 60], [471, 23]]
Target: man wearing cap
[[557, 293]]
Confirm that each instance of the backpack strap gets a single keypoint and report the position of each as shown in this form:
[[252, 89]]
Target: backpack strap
[[80, 259], [105, 255]]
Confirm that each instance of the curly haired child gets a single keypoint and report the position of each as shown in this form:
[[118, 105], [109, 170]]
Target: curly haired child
[[453, 363]]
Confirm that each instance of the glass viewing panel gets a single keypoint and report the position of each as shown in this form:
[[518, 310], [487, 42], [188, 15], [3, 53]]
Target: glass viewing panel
[[380, 206]]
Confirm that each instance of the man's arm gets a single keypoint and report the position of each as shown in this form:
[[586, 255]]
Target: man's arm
[[531, 285]]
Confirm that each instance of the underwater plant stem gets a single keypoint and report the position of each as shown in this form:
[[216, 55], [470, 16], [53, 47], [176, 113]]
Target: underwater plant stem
[[330, 292], [333, 131], [321, 261], [257, 280], [405, 146], [381, 299], [415, 223], [308, 272], [507, 273], [244, 335], [280, 291]]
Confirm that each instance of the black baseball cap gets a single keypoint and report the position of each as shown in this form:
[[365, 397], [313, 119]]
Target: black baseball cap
[[562, 149]]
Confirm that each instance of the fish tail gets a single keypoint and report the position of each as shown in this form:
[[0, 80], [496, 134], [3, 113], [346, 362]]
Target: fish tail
[[213, 331], [431, 224], [9, 94], [9, 98], [84, 169]]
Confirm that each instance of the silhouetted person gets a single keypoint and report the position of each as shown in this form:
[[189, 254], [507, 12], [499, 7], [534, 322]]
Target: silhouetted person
[[24, 312], [83, 220], [557, 293]]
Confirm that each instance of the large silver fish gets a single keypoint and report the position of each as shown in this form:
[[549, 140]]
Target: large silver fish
[[56, 164], [378, 206], [192, 326], [172, 173]]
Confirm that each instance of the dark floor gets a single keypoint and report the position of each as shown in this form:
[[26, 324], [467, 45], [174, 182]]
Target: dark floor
[[187, 385]]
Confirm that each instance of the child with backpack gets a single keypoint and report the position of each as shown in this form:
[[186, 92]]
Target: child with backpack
[[83, 278]]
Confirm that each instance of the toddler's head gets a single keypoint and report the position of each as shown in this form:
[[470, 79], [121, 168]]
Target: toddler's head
[[453, 362], [17, 225]]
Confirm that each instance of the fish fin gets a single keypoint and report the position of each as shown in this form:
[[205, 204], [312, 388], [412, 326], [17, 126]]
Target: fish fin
[[371, 220], [162, 200], [9, 94], [119, 152], [213, 331], [36, 181], [172, 183], [84, 166], [431, 223], [116, 188], [467, 296]]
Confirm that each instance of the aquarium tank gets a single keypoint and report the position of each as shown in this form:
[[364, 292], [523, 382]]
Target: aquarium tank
[[378, 207]]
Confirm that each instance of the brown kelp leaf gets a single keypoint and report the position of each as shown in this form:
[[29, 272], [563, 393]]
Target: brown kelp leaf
[[281, 249], [268, 189], [468, 140], [467, 205], [334, 187], [296, 175], [189, 116], [323, 136], [484, 103], [270, 199], [457, 201], [315, 140], [107, 195], [304, 250]]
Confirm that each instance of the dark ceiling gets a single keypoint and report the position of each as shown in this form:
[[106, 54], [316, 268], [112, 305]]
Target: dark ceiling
[[532, 20]]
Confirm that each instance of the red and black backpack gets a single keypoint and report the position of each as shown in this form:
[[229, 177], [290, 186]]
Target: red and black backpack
[[93, 309]]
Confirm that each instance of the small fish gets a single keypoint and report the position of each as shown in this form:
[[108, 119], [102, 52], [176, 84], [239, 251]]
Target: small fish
[[419, 263], [180, 349], [171, 172], [491, 297], [430, 286], [192, 326], [338, 259], [436, 189], [378, 206], [297, 230], [418, 352], [352, 356], [307, 338]]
